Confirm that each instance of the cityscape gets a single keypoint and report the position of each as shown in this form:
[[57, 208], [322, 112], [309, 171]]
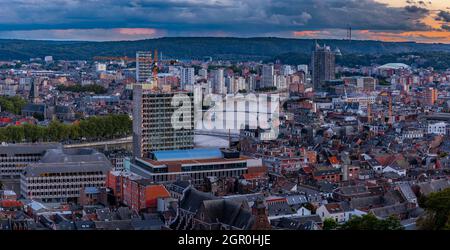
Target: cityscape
[[205, 133]]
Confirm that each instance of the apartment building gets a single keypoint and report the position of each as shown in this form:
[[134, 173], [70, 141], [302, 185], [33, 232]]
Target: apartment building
[[61, 174]]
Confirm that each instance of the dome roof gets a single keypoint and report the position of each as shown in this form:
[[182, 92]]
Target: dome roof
[[394, 66]]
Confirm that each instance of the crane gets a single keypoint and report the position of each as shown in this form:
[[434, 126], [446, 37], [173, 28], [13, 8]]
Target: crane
[[131, 59]]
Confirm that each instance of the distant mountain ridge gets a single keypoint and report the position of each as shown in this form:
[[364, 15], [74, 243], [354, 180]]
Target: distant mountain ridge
[[227, 48]]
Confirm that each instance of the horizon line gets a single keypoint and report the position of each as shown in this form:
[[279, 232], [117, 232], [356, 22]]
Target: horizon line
[[217, 37]]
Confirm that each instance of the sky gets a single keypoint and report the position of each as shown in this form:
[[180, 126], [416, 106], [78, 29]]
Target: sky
[[425, 21]]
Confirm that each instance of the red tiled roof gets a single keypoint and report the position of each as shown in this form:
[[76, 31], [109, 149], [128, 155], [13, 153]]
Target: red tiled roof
[[10, 203], [334, 208], [308, 169], [156, 191], [251, 176], [333, 160], [384, 160], [5, 119]]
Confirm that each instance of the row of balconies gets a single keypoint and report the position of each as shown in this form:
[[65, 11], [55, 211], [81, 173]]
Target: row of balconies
[[59, 188], [65, 180]]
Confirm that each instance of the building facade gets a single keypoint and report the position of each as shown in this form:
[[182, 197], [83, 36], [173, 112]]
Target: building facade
[[15, 157], [195, 165], [143, 66], [187, 77], [323, 66], [152, 122], [61, 175], [267, 76], [218, 83]]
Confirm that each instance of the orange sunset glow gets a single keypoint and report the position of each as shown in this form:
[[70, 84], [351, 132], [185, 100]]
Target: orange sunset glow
[[437, 31]]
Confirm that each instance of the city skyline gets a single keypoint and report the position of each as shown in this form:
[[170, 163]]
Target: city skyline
[[397, 21]]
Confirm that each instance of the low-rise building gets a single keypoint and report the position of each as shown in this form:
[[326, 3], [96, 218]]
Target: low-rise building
[[61, 175], [195, 164]]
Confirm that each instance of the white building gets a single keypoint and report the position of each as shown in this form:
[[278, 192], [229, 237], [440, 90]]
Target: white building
[[230, 85], [48, 59], [187, 77], [100, 67], [412, 133], [303, 67], [280, 82], [337, 212], [251, 82], [144, 71], [240, 83], [437, 128], [203, 73], [287, 70], [395, 169]]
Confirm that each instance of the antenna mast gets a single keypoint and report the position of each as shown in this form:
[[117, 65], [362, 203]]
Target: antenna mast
[[349, 33]]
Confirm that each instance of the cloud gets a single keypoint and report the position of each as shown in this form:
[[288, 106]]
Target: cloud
[[419, 3], [191, 17], [391, 36], [118, 34], [443, 16], [416, 9]]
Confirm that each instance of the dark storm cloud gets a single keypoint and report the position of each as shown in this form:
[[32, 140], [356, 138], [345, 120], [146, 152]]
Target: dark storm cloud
[[443, 16], [363, 14], [416, 9], [240, 17]]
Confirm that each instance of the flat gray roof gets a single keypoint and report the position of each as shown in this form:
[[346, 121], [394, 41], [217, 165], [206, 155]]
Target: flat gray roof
[[69, 160], [39, 148]]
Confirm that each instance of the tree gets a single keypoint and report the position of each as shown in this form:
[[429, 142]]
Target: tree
[[371, 222], [15, 133], [329, 224], [365, 222], [93, 128], [437, 208], [12, 104]]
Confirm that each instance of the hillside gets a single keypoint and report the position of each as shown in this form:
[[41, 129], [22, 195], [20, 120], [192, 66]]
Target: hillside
[[198, 47]]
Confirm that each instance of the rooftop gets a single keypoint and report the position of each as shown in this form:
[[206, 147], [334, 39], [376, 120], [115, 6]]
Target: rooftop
[[189, 154], [78, 160], [395, 66], [15, 149]]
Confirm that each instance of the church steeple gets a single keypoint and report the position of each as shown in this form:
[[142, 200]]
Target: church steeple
[[34, 91], [260, 214]]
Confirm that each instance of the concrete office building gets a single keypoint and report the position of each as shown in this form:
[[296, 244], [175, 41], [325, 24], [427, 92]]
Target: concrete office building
[[230, 85], [194, 164], [203, 73], [144, 71], [152, 122], [61, 175], [267, 77], [187, 77], [218, 83], [14, 158], [323, 67]]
